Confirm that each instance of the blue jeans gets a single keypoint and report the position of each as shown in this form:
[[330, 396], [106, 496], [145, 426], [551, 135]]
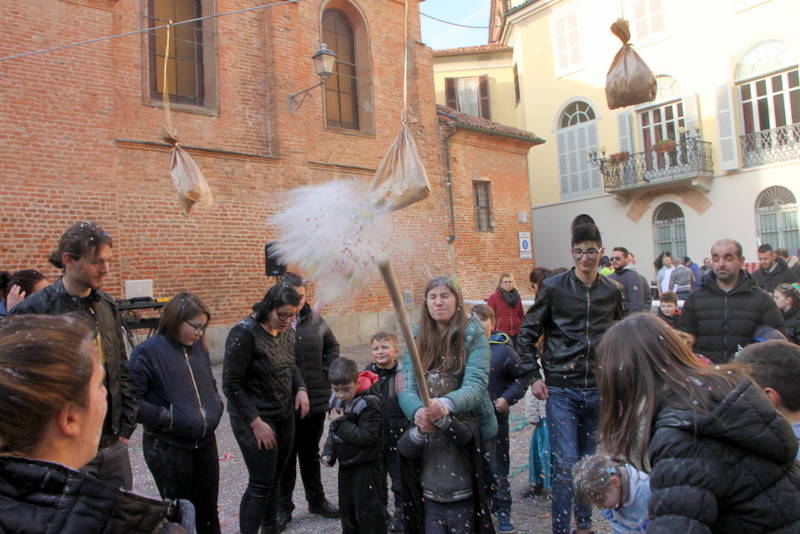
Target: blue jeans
[[572, 416], [500, 464]]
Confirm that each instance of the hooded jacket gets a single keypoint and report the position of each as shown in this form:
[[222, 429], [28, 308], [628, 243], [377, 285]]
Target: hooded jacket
[[779, 274], [38, 497], [723, 322], [792, 319], [101, 311], [636, 295], [178, 397], [316, 348], [356, 438], [729, 471], [573, 318], [507, 377]]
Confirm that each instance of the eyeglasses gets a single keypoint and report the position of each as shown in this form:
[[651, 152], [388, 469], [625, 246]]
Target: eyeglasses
[[283, 317], [589, 253], [199, 330]]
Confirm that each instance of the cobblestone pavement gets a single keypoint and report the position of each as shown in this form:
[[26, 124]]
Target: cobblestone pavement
[[528, 516]]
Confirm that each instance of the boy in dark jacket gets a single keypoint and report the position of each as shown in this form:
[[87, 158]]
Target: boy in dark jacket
[[507, 385], [354, 438], [384, 364], [668, 310]]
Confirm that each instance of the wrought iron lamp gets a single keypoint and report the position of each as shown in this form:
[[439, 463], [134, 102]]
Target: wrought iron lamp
[[324, 64], [598, 160]]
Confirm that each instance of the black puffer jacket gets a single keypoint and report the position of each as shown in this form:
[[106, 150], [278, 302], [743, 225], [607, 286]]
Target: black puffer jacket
[[101, 310], [792, 320], [394, 420], [178, 397], [42, 497], [780, 274], [729, 472], [356, 438], [316, 349], [573, 319], [723, 322]]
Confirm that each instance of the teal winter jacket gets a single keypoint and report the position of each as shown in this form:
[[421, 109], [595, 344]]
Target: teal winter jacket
[[473, 395]]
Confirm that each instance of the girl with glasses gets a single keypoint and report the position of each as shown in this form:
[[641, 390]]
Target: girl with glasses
[[180, 408]]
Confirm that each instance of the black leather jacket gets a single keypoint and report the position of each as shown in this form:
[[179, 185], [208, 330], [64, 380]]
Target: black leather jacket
[[572, 318], [102, 312], [37, 497]]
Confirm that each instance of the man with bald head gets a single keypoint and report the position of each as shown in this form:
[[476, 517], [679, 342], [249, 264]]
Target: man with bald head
[[725, 313]]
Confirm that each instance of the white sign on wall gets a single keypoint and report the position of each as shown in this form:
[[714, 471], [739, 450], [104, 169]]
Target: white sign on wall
[[525, 249]]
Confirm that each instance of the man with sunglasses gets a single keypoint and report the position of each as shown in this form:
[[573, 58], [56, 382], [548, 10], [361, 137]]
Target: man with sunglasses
[[84, 255], [572, 311], [635, 288]]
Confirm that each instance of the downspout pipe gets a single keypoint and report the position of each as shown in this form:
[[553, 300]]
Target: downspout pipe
[[449, 184]]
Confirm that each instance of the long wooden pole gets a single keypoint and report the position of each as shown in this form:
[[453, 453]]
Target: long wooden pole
[[387, 272]]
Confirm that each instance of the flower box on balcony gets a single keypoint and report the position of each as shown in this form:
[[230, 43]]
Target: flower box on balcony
[[667, 145], [619, 157]]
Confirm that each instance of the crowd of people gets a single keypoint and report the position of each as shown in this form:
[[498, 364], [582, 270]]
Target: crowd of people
[[681, 419]]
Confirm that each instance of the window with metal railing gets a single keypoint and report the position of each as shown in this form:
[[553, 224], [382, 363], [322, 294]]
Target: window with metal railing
[[670, 229], [768, 87]]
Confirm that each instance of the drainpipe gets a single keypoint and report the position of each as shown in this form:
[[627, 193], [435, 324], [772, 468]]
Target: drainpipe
[[449, 183]]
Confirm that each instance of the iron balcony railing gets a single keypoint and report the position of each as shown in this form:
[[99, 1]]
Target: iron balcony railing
[[771, 146], [689, 158]]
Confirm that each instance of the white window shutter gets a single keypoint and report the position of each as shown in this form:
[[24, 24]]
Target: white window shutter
[[691, 112], [562, 162], [726, 123], [624, 119], [572, 160]]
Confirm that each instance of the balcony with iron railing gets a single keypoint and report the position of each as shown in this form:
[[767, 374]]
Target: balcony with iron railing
[[771, 146], [687, 161]]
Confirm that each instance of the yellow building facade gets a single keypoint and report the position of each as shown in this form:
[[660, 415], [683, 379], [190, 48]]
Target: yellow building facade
[[728, 99]]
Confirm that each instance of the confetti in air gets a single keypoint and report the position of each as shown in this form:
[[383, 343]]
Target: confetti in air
[[334, 233]]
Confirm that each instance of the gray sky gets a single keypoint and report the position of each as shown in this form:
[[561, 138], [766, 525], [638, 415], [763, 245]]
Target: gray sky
[[468, 12]]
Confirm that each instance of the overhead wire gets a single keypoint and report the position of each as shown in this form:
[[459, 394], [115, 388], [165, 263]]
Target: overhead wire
[[456, 23], [144, 30]]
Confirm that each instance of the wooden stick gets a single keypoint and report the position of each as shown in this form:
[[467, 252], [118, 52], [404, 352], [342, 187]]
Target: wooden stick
[[391, 284]]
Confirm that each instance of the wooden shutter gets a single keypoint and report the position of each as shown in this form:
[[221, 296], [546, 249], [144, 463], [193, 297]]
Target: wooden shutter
[[484, 88], [624, 119], [726, 123], [562, 163], [691, 112], [450, 92]]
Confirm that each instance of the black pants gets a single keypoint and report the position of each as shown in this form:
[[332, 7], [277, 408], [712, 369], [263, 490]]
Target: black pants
[[391, 463], [501, 493], [450, 517], [361, 501], [264, 467], [112, 464], [307, 433], [191, 474]]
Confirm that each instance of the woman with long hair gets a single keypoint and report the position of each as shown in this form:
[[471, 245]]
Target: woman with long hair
[[18, 286], [52, 407], [454, 354], [180, 408], [787, 298], [263, 385], [721, 456], [507, 305]]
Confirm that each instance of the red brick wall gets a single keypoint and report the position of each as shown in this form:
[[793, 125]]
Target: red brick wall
[[66, 112], [481, 257]]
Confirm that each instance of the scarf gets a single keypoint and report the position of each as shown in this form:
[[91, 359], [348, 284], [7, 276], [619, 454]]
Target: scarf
[[511, 297]]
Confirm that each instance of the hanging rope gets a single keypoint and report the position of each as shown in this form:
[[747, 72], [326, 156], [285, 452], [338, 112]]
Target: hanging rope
[[134, 32], [165, 87], [405, 65]]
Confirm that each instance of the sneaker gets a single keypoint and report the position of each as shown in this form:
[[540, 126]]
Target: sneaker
[[324, 508], [504, 522]]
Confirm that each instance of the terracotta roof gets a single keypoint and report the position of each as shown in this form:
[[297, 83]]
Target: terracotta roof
[[479, 124], [469, 50]]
